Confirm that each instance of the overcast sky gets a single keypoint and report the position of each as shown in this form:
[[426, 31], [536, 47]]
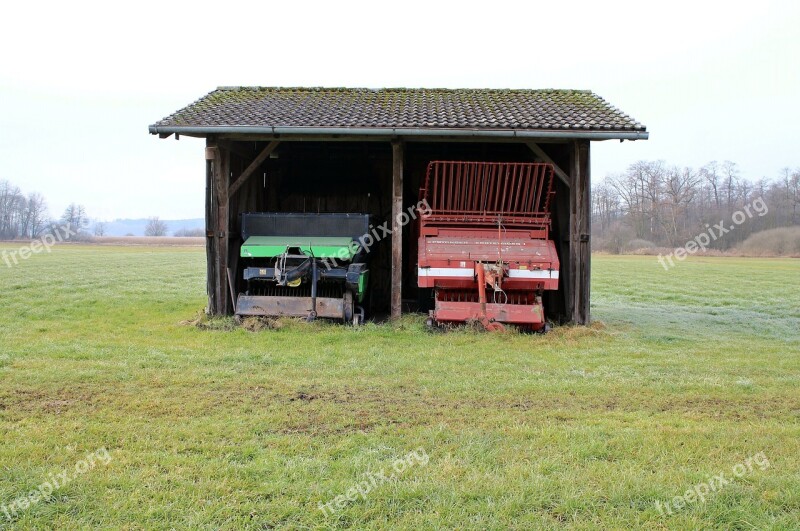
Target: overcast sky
[[81, 81]]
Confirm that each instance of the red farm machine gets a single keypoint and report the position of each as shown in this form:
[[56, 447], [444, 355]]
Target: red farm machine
[[484, 242]]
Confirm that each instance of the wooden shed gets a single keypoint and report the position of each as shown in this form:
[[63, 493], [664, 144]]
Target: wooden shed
[[366, 150]]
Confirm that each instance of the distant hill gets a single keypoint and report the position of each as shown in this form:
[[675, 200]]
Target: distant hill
[[123, 227]]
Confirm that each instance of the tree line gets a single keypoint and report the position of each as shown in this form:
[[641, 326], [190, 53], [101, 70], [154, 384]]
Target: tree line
[[21, 216], [653, 203], [26, 217]]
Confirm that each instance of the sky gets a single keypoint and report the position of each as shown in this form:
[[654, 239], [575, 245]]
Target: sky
[[81, 81]]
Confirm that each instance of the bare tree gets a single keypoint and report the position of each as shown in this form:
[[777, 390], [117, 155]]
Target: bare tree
[[640, 189], [74, 217], [679, 191], [20, 216], [791, 182], [745, 190], [12, 204], [36, 218], [605, 206], [731, 179], [155, 227], [100, 228], [710, 173]]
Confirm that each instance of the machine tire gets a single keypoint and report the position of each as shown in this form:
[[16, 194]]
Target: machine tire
[[349, 307]]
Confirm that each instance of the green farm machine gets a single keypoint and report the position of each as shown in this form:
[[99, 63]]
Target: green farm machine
[[304, 265]]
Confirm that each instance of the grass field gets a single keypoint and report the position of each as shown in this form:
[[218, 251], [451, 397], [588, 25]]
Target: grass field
[[687, 374]]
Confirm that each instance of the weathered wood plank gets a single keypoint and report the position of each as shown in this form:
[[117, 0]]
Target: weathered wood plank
[[222, 176], [579, 237], [397, 230], [257, 162], [231, 288], [585, 232], [211, 220], [545, 157]]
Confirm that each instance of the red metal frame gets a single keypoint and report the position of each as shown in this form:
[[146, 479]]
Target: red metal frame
[[488, 224], [477, 193]]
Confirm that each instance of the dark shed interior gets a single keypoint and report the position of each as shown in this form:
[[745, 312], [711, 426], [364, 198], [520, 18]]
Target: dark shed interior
[[356, 177]]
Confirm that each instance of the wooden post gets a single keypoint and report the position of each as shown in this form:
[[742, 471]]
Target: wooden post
[[584, 149], [579, 237], [211, 228], [222, 175], [397, 229]]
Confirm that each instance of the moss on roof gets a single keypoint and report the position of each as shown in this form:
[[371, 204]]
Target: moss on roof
[[490, 109]]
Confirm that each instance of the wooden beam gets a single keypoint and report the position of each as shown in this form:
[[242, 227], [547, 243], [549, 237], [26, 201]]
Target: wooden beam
[[239, 148], [211, 229], [232, 291], [222, 173], [585, 231], [251, 137], [397, 230], [260, 158], [545, 157], [579, 237]]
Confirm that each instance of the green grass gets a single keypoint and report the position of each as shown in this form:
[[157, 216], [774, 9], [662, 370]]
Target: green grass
[[691, 372]]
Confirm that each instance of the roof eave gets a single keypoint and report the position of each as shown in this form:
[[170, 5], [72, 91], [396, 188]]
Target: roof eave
[[401, 131]]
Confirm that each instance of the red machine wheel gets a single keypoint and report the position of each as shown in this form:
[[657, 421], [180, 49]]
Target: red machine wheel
[[494, 326]]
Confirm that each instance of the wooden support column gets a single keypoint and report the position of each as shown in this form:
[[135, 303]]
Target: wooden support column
[[579, 237], [211, 229], [222, 172], [397, 229]]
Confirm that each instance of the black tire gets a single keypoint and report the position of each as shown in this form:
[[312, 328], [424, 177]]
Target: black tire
[[348, 307]]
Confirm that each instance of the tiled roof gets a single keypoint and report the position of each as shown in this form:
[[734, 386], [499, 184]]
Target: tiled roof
[[359, 108]]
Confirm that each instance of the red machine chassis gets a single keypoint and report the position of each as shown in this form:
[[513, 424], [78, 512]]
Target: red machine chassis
[[484, 242]]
